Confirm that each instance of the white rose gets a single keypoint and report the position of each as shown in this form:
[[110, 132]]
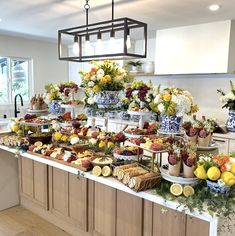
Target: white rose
[[91, 84], [99, 76], [93, 78], [93, 141], [157, 99], [91, 100], [161, 107], [100, 72]]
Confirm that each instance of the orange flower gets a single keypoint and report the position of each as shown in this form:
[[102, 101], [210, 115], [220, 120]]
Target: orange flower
[[93, 70]]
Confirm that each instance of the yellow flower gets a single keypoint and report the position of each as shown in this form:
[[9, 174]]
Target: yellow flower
[[167, 97], [96, 89], [194, 108], [104, 80], [88, 76], [108, 78]]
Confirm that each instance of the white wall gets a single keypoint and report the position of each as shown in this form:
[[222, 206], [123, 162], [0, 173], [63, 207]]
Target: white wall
[[46, 66]]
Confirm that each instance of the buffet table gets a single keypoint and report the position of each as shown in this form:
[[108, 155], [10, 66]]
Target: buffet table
[[83, 204]]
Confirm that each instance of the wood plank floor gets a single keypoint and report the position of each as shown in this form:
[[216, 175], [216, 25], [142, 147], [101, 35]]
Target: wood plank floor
[[18, 221]]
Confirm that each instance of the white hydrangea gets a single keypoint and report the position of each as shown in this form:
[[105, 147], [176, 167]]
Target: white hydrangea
[[230, 96], [93, 78], [99, 76], [183, 104]]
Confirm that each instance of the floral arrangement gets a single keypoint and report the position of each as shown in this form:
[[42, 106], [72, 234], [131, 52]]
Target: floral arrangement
[[189, 154], [206, 127], [218, 168], [60, 91], [229, 98], [174, 102], [140, 96], [104, 76]]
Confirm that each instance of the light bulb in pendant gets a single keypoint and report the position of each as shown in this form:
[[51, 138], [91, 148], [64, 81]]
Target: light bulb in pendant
[[88, 48], [99, 44], [112, 41], [76, 46], [128, 40]]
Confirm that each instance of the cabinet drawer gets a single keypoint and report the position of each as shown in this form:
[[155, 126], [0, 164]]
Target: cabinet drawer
[[223, 144]]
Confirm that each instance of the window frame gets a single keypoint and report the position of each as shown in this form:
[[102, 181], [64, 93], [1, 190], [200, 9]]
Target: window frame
[[10, 78]]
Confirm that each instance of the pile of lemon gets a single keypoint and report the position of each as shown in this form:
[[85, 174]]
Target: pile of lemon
[[214, 174]]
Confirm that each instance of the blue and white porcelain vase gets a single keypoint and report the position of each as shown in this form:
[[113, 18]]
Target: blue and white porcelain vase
[[55, 107], [171, 124], [231, 121], [107, 98]]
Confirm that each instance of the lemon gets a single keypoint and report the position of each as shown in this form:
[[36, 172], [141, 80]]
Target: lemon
[[232, 170], [213, 173], [200, 173], [102, 144], [57, 136], [64, 138], [38, 144], [110, 144], [106, 171], [176, 189], [14, 127], [228, 178], [97, 171], [188, 190]]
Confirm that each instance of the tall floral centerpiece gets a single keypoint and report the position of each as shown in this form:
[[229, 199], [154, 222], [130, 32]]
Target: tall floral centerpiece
[[173, 104], [229, 102], [103, 83]]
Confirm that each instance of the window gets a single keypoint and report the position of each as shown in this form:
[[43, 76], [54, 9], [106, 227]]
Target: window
[[15, 77]]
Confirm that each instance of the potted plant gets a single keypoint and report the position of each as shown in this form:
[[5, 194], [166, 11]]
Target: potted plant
[[135, 65], [173, 104], [229, 102], [105, 80]]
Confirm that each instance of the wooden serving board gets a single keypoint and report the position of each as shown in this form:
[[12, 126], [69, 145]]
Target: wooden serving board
[[59, 161]]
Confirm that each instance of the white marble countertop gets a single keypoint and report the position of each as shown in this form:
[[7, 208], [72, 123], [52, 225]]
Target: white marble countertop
[[229, 135]]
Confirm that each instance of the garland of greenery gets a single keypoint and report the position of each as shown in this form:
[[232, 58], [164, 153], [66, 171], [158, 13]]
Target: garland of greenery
[[215, 204]]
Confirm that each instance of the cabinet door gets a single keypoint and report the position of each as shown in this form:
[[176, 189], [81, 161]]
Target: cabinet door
[[129, 214], [78, 203], [231, 145], [168, 222], [26, 166], [222, 144], [68, 198], [196, 227], [104, 210], [40, 177]]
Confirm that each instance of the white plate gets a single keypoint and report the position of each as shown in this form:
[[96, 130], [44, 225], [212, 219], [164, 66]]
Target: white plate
[[174, 179], [36, 111], [122, 157], [212, 147], [140, 113]]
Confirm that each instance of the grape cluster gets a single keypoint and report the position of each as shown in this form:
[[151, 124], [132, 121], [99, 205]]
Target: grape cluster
[[143, 90], [66, 87], [129, 92]]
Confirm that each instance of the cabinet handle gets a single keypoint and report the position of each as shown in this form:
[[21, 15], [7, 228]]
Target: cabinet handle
[[220, 141], [80, 174], [164, 211]]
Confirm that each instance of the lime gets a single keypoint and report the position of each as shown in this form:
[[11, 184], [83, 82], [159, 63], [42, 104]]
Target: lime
[[213, 173], [106, 171], [176, 189], [97, 171], [188, 190]]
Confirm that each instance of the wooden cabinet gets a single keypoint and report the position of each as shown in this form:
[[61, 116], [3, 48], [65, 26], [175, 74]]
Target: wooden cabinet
[[223, 144], [103, 210], [33, 181], [231, 145], [68, 197], [195, 227], [129, 214]]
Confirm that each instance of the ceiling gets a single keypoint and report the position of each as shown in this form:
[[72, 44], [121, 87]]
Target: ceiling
[[43, 18]]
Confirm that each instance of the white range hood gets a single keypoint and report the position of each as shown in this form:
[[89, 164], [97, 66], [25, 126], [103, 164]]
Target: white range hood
[[198, 49]]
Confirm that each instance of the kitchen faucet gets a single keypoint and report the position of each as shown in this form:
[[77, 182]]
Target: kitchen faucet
[[21, 100]]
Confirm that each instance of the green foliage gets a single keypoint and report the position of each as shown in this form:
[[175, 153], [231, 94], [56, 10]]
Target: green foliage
[[204, 201]]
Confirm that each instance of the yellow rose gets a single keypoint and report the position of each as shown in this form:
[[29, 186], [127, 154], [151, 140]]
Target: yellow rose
[[108, 78], [104, 80], [96, 89], [88, 76], [167, 97]]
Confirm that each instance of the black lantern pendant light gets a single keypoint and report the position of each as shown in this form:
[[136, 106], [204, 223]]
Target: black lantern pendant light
[[115, 32]]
